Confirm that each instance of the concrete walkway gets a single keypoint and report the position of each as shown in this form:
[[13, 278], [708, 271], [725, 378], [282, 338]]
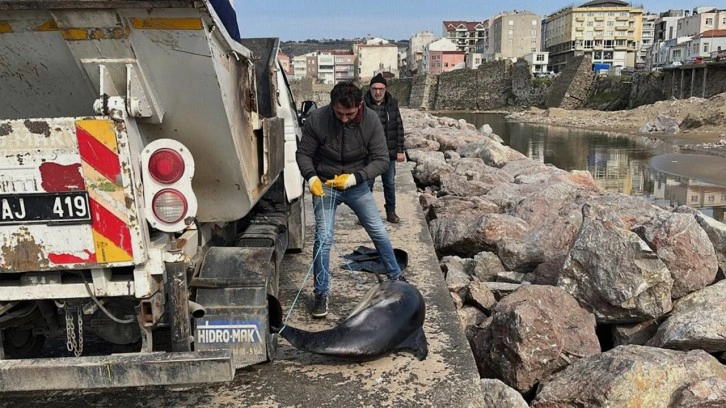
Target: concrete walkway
[[447, 377]]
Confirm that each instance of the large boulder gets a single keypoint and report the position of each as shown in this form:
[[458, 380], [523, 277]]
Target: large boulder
[[685, 249], [535, 332], [629, 376], [698, 321], [614, 273]]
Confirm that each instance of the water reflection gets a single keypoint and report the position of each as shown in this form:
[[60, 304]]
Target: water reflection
[[620, 164]]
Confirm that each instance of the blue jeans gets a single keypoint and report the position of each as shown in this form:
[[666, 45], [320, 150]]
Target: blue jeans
[[360, 200], [389, 187]]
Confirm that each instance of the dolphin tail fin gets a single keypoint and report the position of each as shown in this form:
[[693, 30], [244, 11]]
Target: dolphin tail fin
[[416, 343]]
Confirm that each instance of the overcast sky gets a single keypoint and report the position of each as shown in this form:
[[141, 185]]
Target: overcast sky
[[391, 19]]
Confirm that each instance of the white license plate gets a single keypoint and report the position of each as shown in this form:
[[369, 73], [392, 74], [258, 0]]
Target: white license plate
[[45, 208]]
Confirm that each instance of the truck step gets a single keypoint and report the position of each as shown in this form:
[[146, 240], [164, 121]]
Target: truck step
[[127, 370]]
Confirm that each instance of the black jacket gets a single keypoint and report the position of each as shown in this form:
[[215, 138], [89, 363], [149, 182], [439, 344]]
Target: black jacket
[[390, 118], [328, 148]]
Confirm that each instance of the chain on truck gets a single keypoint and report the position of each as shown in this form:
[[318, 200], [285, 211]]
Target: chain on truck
[[148, 193]]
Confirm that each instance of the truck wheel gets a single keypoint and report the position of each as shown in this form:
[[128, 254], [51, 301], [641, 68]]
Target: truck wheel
[[296, 225], [21, 343]]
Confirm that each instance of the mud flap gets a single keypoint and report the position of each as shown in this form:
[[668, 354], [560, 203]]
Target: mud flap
[[232, 286]]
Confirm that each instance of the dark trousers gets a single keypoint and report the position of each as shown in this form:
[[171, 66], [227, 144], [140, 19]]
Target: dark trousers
[[389, 186]]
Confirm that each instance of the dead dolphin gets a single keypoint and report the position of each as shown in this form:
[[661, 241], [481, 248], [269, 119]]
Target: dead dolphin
[[390, 317]]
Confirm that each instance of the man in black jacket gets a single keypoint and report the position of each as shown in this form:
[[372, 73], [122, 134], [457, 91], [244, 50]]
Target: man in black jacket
[[342, 147], [386, 106]]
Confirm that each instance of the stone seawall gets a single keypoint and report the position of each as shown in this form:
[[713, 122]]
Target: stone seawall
[[571, 89], [500, 84]]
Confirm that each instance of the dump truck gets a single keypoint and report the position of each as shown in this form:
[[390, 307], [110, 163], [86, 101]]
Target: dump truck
[[148, 193]]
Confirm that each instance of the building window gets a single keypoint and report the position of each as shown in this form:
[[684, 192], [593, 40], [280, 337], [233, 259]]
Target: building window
[[711, 199], [694, 198]]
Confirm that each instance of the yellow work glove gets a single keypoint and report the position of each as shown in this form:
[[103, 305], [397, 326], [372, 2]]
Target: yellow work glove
[[316, 186], [342, 181]]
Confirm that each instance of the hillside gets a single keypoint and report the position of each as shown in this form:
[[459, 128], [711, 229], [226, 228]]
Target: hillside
[[293, 48]]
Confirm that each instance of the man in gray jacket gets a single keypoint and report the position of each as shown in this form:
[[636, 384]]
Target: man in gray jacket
[[342, 147]]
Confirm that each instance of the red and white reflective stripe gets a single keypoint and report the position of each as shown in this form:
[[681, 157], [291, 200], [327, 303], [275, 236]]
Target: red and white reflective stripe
[[100, 175]]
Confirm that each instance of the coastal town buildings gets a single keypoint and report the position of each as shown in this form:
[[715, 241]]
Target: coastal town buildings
[[614, 34], [658, 55]]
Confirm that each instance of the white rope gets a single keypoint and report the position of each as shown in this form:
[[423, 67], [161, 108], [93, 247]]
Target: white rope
[[326, 223]]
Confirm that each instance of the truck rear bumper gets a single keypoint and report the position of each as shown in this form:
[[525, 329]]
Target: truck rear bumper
[[118, 370]]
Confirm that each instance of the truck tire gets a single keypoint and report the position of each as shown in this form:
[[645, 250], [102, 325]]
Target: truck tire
[[296, 225], [20, 342]]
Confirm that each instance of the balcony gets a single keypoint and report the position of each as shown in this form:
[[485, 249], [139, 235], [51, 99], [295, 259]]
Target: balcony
[[622, 18], [579, 18], [599, 28]]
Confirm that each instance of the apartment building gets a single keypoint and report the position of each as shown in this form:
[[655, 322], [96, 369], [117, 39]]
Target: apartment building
[[608, 31], [326, 65], [311, 64], [702, 19], [538, 62], [414, 54], [299, 66], [344, 65], [701, 46], [442, 56], [513, 35], [466, 34], [472, 61], [375, 58], [664, 32], [647, 40]]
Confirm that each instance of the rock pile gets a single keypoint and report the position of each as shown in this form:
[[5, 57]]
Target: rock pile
[[569, 295]]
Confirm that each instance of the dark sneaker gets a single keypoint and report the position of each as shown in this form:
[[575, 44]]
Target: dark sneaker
[[392, 217], [320, 306], [398, 278]]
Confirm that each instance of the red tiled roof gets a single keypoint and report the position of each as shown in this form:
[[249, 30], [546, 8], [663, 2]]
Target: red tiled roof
[[452, 25], [712, 33]]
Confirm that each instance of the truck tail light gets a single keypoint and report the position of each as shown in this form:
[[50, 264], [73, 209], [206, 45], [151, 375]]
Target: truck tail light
[[169, 201], [169, 206], [166, 166]]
